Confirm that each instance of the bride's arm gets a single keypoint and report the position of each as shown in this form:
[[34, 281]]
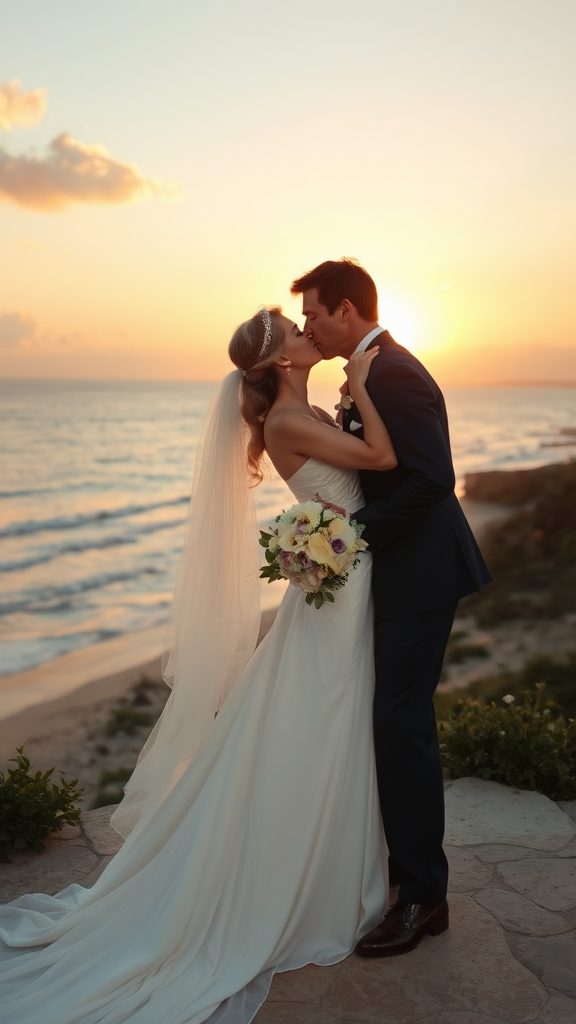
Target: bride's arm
[[301, 435]]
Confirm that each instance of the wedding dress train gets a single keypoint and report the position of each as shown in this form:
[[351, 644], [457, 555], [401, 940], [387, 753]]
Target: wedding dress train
[[265, 856]]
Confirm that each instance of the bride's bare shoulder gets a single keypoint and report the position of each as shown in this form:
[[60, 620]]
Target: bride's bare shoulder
[[280, 418]]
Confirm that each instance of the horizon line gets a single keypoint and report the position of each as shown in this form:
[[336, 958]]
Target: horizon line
[[569, 384]]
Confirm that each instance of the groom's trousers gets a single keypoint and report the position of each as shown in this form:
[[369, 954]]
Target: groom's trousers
[[409, 657]]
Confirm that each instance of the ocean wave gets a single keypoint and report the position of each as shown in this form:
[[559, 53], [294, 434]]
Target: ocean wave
[[83, 518], [65, 486], [43, 599], [25, 653], [89, 545]]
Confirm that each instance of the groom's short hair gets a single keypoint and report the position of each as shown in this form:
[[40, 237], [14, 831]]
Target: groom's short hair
[[341, 279]]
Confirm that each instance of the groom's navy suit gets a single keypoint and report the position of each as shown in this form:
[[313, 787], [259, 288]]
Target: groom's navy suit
[[425, 559]]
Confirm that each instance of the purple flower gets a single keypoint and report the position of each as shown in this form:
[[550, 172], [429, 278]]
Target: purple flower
[[286, 559], [294, 561], [338, 546], [303, 560]]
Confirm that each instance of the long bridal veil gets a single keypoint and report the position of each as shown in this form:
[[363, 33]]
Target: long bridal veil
[[215, 613]]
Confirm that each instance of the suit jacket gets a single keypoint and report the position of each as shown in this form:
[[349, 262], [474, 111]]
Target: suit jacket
[[425, 555]]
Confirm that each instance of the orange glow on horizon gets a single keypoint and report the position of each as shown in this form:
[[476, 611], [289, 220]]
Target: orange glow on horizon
[[461, 221]]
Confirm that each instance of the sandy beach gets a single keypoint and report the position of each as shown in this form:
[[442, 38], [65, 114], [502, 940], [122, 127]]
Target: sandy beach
[[68, 730]]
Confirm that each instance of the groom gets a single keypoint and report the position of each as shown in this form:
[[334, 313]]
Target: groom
[[425, 559]]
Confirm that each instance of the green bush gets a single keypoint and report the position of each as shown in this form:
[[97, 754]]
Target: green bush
[[559, 674], [126, 720], [105, 795], [526, 744], [32, 807]]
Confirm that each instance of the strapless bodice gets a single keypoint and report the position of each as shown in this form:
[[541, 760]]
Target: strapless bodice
[[339, 486]]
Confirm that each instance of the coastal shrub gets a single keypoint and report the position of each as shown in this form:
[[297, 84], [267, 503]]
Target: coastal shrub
[[149, 691], [126, 720], [559, 675], [532, 555], [32, 806], [526, 744], [115, 778]]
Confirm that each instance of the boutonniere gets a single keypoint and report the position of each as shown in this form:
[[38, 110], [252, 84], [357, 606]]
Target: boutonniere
[[345, 403]]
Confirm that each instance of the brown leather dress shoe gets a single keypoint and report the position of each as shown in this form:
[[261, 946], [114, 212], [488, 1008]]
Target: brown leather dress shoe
[[403, 927]]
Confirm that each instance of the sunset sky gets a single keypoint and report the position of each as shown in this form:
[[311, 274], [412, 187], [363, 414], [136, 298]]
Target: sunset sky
[[167, 167]]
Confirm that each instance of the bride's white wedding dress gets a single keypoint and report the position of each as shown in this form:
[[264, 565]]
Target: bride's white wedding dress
[[266, 855]]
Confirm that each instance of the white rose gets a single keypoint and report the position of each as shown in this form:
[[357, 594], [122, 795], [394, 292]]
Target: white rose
[[292, 539]]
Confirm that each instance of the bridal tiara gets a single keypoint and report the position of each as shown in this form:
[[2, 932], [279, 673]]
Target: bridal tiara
[[267, 331], [267, 336]]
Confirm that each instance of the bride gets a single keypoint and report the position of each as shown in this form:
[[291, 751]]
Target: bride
[[253, 834]]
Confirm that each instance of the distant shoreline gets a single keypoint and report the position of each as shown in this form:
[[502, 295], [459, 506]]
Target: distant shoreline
[[566, 384]]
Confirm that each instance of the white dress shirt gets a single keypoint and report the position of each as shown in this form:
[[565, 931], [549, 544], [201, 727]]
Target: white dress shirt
[[363, 345]]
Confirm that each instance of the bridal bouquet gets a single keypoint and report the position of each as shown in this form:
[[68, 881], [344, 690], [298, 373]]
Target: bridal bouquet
[[314, 545]]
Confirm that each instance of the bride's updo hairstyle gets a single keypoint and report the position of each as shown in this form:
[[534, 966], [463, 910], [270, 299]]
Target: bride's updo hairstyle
[[254, 349]]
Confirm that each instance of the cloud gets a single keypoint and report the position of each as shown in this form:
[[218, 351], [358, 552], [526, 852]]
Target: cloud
[[20, 333], [20, 108], [16, 328], [73, 172]]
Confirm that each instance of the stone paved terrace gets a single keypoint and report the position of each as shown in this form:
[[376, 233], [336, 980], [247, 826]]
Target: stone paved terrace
[[509, 955]]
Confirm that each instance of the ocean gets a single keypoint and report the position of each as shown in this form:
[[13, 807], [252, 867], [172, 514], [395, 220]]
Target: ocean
[[94, 485]]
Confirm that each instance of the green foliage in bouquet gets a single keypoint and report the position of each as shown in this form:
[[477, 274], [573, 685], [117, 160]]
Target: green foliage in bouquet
[[32, 807], [526, 745], [270, 572]]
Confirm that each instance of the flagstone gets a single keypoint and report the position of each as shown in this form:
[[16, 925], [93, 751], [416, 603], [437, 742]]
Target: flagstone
[[296, 1013], [469, 968], [559, 1010], [96, 871], [479, 812], [552, 959], [49, 872], [493, 853], [569, 808], [467, 873], [469, 1018], [305, 985], [516, 913], [101, 837], [67, 833], [569, 850], [549, 882]]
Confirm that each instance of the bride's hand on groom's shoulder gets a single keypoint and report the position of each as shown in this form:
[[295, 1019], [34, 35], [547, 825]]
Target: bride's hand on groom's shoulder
[[358, 367]]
